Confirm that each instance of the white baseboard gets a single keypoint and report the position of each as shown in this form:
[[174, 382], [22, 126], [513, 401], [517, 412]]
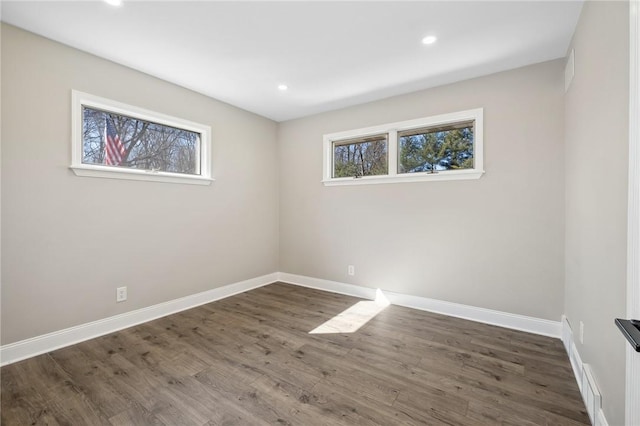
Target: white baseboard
[[487, 316], [584, 378], [48, 342], [28, 348], [601, 419], [572, 351], [326, 285]]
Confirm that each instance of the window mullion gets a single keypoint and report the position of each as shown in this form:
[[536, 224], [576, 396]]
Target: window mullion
[[392, 149]]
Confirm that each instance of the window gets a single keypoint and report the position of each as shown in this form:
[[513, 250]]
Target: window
[[114, 140], [444, 147], [436, 149], [360, 157]]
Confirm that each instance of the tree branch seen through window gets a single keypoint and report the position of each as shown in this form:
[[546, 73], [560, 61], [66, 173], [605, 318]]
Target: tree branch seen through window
[[360, 158], [147, 145]]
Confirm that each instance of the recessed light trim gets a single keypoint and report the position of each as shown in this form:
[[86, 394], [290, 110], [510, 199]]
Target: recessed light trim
[[114, 2], [429, 39], [282, 87]]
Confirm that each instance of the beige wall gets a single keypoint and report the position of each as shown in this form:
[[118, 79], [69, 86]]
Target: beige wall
[[496, 242], [68, 241], [596, 163]]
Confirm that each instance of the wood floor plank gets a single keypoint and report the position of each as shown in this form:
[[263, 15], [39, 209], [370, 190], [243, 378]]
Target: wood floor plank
[[250, 360], [72, 407], [25, 409], [349, 406], [93, 379], [345, 373], [135, 416]]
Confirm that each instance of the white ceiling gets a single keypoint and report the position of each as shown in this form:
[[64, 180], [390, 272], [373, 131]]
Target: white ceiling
[[330, 54]]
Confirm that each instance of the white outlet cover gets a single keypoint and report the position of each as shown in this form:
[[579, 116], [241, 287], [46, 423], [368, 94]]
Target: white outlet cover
[[121, 294]]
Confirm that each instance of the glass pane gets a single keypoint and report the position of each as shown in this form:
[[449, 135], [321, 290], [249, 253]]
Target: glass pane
[[117, 140], [360, 158], [437, 149]]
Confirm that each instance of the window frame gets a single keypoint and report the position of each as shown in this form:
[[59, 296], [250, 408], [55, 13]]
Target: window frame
[[80, 99], [392, 129]]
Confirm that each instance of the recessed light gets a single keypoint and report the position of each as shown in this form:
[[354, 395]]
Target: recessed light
[[282, 87], [114, 2], [429, 40]]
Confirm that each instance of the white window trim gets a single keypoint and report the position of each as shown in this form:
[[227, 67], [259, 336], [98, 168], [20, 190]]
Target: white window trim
[[80, 99], [392, 130]]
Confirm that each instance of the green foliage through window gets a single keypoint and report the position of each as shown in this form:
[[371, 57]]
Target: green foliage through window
[[435, 149]]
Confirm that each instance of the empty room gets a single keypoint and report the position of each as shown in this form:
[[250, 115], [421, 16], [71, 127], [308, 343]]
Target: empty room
[[320, 213]]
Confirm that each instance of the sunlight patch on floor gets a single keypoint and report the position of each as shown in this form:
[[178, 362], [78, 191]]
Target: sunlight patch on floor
[[350, 320]]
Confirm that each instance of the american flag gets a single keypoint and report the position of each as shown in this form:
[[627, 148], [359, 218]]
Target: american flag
[[113, 149]]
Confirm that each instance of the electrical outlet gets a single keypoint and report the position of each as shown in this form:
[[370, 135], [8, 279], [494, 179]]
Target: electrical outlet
[[121, 294], [581, 332], [351, 270]]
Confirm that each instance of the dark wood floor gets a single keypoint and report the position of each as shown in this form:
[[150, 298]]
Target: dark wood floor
[[249, 360]]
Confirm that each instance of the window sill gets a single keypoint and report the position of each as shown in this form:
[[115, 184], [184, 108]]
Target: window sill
[[413, 177], [132, 174]]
